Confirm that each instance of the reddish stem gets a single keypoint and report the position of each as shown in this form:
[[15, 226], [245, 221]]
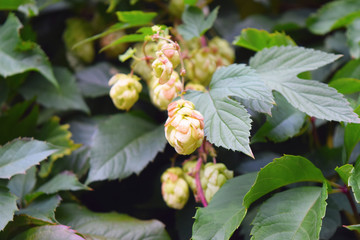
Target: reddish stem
[[203, 41], [199, 190]]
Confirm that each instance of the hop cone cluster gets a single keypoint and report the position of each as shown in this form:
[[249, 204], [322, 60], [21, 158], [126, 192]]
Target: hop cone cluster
[[125, 90], [174, 189], [184, 128]]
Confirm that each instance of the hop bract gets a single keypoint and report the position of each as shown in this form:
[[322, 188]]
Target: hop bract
[[174, 188], [162, 94], [163, 68], [215, 175], [184, 128], [170, 50], [125, 90]]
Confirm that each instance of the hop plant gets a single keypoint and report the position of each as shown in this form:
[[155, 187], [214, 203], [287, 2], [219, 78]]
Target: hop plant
[[184, 128], [201, 66], [222, 50], [174, 188], [161, 95], [215, 175], [195, 87], [163, 68], [125, 90]]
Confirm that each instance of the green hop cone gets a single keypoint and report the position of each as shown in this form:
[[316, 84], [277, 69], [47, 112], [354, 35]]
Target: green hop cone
[[222, 50], [215, 175], [189, 168], [125, 90], [77, 30], [174, 189], [161, 95], [195, 87], [141, 67], [176, 7], [113, 51], [201, 66], [163, 68], [171, 52], [184, 128]]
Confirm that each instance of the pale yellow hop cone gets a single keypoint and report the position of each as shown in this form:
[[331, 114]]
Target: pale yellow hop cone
[[195, 87], [215, 175], [184, 128], [174, 189], [140, 66], [222, 50], [125, 90], [161, 95], [163, 68], [189, 168], [170, 50]]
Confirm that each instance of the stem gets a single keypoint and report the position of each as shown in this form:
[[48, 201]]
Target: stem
[[203, 41], [199, 190]]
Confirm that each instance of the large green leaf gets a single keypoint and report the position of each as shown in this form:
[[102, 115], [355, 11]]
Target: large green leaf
[[353, 38], [61, 182], [124, 145], [15, 59], [350, 70], [345, 172], [19, 155], [194, 22], [279, 67], [284, 122], [13, 4], [346, 85], [7, 207], [331, 221], [256, 39], [281, 172], [333, 15], [225, 212], [22, 184], [66, 97], [42, 208], [53, 232], [293, 214], [352, 135], [227, 123], [109, 226], [354, 181]]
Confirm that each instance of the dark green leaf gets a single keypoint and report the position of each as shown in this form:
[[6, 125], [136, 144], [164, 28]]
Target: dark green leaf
[[66, 97], [109, 225], [346, 85], [350, 70], [22, 184], [190, 2], [53, 232], [256, 40], [281, 172], [120, 150], [136, 18], [21, 154], [333, 15], [14, 61], [354, 181], [345, 172], [293, 214], [355, 227], [13, 4], [331, 221], [224, 214], [285, 122], [279, 67], [352, 135], [194, 22], [7, 207], [42, 208], [353, 38]]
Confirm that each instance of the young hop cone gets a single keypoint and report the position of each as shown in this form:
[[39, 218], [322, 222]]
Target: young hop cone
[[215, 175], [174, 188], [125, 90], [161, 95], [195, 87], [189, 168], [222, 50], [163, 68], [184, 128], [170, 50]]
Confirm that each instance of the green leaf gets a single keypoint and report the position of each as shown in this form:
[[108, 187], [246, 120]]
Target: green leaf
[[127, 55], [66, 97], [352, 135], [136, 18], [42, 208], [279, 67], [345, 172], [227, 123], [109, 225], [285, 122], [331, 221], [293, 214], [22, 184], [190, 2], [194, 22], [350, 70], [224, 213], [20, 120], [355, 227], [13, 4], [354, 181], [21, 154], [62, 182], [256, 39], [53, 232], [120, 150], [333, 15], [281, 172], [15, 61], [353, 38], [7, 207], [346, 85]]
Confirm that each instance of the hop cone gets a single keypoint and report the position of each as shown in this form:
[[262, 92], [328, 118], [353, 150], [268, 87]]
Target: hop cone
[[163, 68], [174, 188], [184, 128], [125, 90], [222, 50], [141, 67]]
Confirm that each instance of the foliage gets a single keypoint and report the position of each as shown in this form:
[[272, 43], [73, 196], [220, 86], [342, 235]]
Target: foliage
[[269, 90]]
